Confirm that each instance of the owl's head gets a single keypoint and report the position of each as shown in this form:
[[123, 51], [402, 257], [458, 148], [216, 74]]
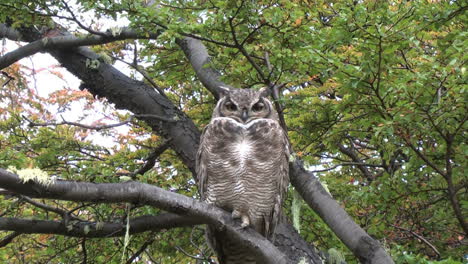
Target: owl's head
[[244, 105]]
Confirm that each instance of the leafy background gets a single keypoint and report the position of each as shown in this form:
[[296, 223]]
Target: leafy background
[[374, 101]]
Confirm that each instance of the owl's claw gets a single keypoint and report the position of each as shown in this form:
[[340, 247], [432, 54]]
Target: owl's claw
[[244, 218], [236, 214], [245, 221]]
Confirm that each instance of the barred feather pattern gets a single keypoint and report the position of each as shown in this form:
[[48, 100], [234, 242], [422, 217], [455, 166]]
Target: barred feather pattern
[[242, 167]]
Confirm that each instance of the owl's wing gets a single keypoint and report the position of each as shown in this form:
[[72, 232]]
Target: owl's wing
[[282, 189], [202, 161], [213, 237]]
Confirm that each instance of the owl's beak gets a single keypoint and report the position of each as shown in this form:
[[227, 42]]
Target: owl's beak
[[244, 115]]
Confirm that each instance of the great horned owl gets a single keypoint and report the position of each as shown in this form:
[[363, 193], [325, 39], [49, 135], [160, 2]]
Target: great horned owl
[[242, 166]]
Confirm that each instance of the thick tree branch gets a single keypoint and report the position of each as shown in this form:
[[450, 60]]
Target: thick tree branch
[[367, 249], [139, 193], [64, 42], [199, 58], [9, 33], [96, 229]]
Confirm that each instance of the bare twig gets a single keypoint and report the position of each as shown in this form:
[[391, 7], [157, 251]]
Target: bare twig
[[360, 165], [142, 72], [9, 78], [156, 117], [420, 238], [83, 249], [73, 18], [140, 250], [64, 122], [46, 207], [151, 159], [244, 52], [8, 239], [188, 254]]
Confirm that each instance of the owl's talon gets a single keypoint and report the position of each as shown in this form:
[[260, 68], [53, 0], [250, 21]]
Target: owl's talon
[[236, 214], [245, 221]]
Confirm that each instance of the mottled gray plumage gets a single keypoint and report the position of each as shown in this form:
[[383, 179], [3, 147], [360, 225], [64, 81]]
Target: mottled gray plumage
[[242, 167]]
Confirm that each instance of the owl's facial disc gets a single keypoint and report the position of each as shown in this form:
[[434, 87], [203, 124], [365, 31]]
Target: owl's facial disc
[[230, 106], [258, 106]]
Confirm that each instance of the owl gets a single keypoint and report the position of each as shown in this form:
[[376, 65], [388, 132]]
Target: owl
[[242, 167]]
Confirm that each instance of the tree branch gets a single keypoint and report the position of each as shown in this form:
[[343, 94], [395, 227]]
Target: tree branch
[[199, 58], [245, 53], [64, 42], [420, 238], [151, 159], [140, 250], [96, 229], [361, 166], [46, 207], [64, 122], [364, 247], [9, 33], [139, 193], [8, 239]]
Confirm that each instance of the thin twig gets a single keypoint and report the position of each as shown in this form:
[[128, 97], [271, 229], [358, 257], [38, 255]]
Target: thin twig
[[8, 239], [142, 72], [162, 118], [188, 254], [9, 78], [140, 250], [64, 122], [151, 159], [46, 207], [421, 238], [73, 18], [83, 249]]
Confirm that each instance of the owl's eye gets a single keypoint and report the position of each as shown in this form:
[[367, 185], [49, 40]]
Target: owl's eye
[[258, 107], [230, 106]]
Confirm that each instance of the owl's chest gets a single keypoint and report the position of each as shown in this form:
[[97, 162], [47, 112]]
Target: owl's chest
[[233, 140]]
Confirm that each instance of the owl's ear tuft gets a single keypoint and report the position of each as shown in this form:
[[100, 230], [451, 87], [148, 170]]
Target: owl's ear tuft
[[223, 91], [264, 92]]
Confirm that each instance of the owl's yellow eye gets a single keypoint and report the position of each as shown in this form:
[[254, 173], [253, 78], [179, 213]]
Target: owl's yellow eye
[[258, 107], [230, 106]]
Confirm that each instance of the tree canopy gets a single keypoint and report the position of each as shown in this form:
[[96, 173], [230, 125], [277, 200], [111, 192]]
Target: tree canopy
[[372, 94]]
